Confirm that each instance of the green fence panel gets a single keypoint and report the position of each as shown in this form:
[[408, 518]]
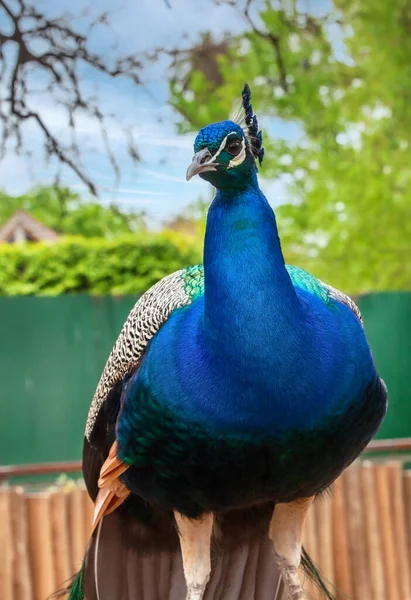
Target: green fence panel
[[387, 321], [53, 351]]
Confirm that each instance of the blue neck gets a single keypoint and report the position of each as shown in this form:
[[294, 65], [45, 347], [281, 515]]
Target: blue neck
[[250, 302]]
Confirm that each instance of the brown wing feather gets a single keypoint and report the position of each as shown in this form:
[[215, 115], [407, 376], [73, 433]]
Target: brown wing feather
[[112, 492]]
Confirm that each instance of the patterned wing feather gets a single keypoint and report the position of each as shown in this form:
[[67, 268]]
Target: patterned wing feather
[[308, 282], [344, 299], [144, 320]]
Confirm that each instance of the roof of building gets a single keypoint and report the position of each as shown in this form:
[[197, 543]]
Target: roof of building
[[23, 227]]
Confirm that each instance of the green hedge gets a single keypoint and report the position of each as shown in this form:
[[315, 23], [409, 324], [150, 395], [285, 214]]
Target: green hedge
[[126, 265]]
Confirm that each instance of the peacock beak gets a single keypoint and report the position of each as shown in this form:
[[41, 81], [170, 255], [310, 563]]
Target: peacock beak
[[202, 161]]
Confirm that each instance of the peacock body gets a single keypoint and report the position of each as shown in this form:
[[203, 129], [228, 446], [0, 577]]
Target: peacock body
[[235, 384], [199, 413]]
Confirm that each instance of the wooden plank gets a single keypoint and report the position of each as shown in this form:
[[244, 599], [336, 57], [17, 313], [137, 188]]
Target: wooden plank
[[373, 532], [342, 562], [407, 504], [61, 537], [6, 547], [385, 517], [323, 510], [40, 545], [88, 515], [310, 543], [356, 533], [397, 499], [21, 558], [76, 528]]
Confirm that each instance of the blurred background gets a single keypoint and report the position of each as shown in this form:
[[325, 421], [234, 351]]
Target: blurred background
[[99, 107]]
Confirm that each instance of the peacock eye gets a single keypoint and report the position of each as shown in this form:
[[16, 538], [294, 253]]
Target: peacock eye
[[234, 147]]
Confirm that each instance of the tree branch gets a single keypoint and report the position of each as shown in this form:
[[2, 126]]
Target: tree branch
[[66, 52], [274, 41]]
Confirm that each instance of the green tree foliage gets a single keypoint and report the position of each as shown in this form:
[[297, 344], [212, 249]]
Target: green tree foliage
[[192, 220], [65, 212], [127, 265], [344, 77]]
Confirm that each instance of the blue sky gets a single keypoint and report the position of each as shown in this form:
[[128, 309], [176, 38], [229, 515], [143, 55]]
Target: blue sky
[[157, 184]]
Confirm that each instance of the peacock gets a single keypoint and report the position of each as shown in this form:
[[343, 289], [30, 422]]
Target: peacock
[[237, 391]]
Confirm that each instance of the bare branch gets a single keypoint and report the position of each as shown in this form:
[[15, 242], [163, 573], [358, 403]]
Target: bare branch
[[203, 56], [65, 52], [274, 40]]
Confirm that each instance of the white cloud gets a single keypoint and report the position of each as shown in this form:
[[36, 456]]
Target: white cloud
[[163, 176], [134, 191], [171, 141]]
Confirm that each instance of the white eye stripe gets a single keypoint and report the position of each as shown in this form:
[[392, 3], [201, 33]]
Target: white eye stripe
[[222, 146], [237, 160]]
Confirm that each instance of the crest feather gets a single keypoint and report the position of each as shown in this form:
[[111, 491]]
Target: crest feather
[[249, 123]]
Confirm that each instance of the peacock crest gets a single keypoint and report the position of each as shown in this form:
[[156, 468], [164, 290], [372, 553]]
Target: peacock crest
[[249, 124]]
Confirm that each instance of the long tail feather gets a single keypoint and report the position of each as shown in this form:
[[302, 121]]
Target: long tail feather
[[74, 588], [77, 587], [313, 573], [128, 572]]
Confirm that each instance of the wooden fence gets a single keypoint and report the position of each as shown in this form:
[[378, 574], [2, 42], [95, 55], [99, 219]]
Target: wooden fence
[[360, 535], [43, 536]]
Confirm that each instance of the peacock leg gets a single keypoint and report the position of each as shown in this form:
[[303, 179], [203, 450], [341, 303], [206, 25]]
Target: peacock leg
[[195, 542], [285, 533]]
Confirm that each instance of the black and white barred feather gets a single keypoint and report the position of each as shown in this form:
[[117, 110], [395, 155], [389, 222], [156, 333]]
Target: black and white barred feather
[[335, 294], [144, 320]]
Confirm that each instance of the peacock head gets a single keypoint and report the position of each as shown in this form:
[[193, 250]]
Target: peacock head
[[226, 152]]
